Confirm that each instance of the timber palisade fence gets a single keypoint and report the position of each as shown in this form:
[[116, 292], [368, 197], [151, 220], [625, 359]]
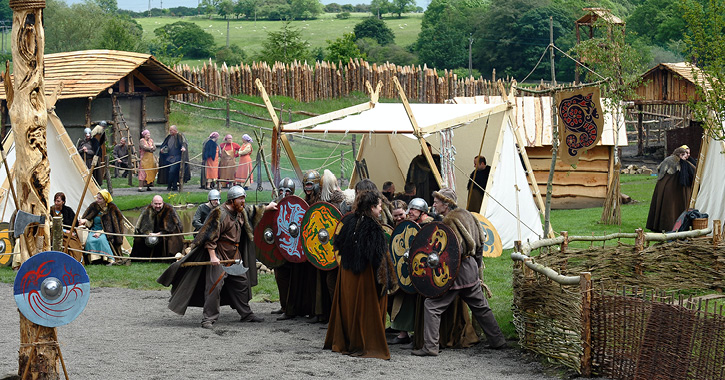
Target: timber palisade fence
[[625, 311], [323, 80]]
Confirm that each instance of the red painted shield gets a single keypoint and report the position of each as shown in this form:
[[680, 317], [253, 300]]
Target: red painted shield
[[264, 236], [318, 229], [288, 237], [434, 259], [400, 241]]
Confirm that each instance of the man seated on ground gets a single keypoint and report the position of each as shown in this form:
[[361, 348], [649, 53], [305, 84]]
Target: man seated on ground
[[157, 219], [467, 284], [226, 235], [205, 208]]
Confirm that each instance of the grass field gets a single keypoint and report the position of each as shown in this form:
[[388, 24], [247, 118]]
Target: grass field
[[249, 35]]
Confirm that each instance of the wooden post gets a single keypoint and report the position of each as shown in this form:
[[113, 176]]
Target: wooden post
[[29, 117], [640, 131], [56, 235], [585, 286], [181, 174], [565, 243]]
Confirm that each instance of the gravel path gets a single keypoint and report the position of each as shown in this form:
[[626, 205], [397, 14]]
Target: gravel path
[[130, 334]]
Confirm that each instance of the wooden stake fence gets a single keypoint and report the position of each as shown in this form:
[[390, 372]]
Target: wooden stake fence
[[324, 80]]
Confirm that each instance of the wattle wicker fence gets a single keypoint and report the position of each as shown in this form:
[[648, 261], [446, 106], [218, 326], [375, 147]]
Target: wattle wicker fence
[[322, 80], [625, 311]]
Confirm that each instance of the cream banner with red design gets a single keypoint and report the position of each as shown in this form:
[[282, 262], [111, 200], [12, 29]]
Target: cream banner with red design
[[580, 122]]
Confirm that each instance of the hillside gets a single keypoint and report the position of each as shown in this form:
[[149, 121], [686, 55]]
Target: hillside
[[250, 35]]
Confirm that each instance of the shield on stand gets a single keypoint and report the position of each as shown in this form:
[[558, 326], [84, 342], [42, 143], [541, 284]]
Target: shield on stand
[[492, 247], [51, 289], [434, 259], [288, 237], [400, 241], [318, 229], [264, 237]]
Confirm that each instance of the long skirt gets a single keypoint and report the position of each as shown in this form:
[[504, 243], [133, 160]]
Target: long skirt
[[212, 168], [669, 200], [357, 319], [227, 166], [148, 168], [99, 246], [244, 169]]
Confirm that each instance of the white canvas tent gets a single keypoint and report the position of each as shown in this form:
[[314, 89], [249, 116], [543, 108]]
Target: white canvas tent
[[67, 171], [389, 145], [708, 197]]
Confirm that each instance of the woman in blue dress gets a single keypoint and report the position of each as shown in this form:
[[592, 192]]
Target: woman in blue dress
[[103, 216]]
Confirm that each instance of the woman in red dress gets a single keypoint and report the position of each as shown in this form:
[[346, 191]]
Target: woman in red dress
[[228, 151], [244, 170]]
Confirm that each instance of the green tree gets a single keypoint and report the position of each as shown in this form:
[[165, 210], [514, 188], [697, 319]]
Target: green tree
[[305, 9], [379, 7], [445, 30], [658, 21], [333, 8], [208, 7], [225, 8], [285, 45], [275, 10], [401, 6], [5, 12], [392, 53], [374, 28], [343, 48], [107, 6], [705, 39], [248, 8], [232, 55], [188, 38], [122, 34], [67, 27], [611, 57]]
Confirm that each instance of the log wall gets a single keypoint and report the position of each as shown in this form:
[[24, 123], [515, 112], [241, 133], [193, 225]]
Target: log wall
[[323, 80]]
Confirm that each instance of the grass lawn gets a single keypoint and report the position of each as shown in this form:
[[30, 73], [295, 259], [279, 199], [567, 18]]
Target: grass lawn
[[250, 35]]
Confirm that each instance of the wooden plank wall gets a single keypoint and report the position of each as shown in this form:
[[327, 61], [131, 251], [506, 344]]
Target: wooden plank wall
[[583, 187], [665, 85], [323, 80]]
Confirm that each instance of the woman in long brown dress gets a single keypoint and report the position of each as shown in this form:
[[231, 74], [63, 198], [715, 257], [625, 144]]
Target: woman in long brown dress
[[357, 319], [672, 191], [228, 151], [149, 167], [244, 170]]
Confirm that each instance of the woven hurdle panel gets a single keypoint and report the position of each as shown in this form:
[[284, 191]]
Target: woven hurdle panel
[[547, 317]]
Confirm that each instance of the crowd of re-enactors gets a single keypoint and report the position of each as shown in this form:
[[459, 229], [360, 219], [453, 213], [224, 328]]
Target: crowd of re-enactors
[[354, 300]]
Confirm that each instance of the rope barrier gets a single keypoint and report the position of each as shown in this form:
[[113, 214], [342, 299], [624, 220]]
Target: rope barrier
[[136, 235], [124, 257]]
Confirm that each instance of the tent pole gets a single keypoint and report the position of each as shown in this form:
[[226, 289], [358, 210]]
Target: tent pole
[[704, 147], [418, 134]]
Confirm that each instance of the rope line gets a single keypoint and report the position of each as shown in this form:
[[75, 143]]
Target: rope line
[[135, 235]]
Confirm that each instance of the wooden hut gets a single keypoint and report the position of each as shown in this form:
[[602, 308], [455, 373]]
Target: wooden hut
[[581, 187], [661, 111], [109, 85]]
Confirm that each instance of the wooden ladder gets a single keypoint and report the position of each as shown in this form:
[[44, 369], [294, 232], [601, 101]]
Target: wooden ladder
[[124, 131]]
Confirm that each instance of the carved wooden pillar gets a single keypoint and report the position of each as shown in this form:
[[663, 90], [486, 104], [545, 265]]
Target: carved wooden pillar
[[29, 117]]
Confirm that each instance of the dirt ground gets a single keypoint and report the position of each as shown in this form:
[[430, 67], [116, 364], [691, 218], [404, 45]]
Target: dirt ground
[[130, 334]]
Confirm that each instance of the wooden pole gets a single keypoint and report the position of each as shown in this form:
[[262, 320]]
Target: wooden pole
[[554, 130], [29, 117]]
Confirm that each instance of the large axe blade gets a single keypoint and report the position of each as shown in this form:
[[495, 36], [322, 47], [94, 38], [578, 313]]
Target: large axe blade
[[23, 220], [236, 269]]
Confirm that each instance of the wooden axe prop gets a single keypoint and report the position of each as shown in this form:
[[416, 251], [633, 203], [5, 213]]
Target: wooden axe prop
[[236, 269]]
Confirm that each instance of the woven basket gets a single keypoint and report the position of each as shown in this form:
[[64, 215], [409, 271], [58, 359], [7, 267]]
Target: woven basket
[[699, 223]]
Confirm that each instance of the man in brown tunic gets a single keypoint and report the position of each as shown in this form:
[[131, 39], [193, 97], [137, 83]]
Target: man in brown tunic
[[226, 235]]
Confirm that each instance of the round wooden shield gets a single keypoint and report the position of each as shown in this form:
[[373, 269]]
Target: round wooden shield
[[264, 237], [400, 241], [288, 237], [434, 259], [318, 230], [6, 245], [51, 289], [492, 247]]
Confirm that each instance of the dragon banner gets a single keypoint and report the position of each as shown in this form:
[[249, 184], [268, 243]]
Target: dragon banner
[[580, 122]]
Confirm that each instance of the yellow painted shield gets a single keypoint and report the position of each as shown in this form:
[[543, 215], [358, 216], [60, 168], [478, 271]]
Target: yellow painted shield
[[492, 247]]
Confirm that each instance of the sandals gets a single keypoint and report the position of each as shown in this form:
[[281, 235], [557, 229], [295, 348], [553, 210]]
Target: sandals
[[141, 189]]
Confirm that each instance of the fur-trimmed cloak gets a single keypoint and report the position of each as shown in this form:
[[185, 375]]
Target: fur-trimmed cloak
[[165, 221], [112, 221], [357, 319], [187, 283], [420, 173], [171, 157], [669, 198]]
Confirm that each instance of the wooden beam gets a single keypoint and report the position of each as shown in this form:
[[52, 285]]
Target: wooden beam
[[306, 123], [146, 81], [291, 155], [704, 147], [268, 104], [502, 107], [418, 134]]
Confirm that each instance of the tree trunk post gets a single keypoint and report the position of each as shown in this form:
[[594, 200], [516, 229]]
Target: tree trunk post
[[29, 117]]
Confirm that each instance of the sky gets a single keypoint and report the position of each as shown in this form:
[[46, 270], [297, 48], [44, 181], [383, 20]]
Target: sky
[[143, 5]]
